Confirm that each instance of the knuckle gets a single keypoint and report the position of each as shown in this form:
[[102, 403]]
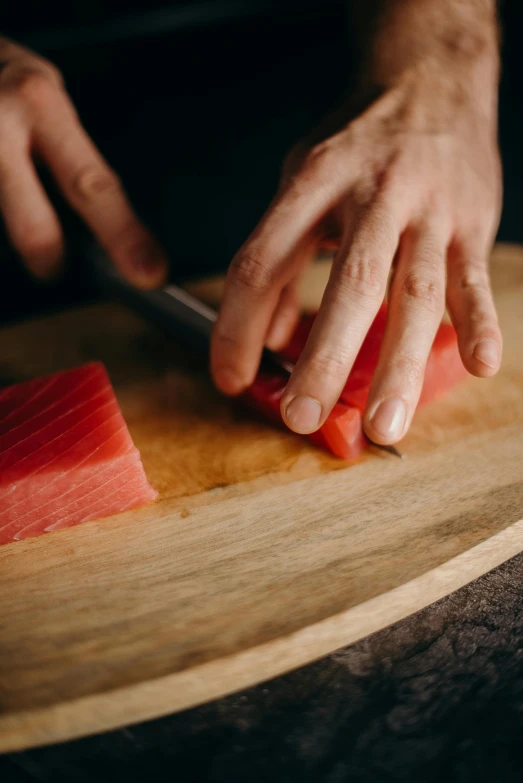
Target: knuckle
[[224, 336], [226, 346], [330, 364], [362, 276], [35, 87], [319, 168], [321, 163], [294, 159], [479, 308], [424, 290], [478, 318], [225, 339], [475, 281], [379, 223], [54, 73], [319, 154], [95, 182], [251, 271], [480, 224]]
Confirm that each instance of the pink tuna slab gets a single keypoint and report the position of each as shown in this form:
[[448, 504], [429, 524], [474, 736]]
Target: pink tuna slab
[[66, 455]]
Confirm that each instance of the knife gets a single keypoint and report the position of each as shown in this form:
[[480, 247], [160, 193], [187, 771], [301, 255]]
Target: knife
[[176, 313], [173, 310]]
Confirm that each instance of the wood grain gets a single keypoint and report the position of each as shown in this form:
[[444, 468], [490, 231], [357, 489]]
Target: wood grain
[[262, 553]]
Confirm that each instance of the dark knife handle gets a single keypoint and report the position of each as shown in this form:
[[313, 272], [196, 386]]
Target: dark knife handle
[[176, 313]]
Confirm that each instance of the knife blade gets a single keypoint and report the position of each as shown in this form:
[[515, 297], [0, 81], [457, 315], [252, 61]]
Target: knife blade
[[170, 308], [175, 311]]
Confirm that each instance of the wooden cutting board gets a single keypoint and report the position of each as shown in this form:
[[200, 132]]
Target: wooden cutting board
[[262, 552]]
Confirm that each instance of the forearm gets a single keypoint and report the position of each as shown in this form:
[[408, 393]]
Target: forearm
[[448, 40]]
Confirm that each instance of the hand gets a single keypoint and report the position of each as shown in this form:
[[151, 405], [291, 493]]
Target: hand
[[37, 119], [414, 179]]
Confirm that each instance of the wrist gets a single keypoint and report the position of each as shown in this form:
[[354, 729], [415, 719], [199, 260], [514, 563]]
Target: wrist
[[427, 47]]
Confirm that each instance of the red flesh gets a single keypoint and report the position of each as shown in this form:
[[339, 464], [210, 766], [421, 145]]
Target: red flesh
[[342, 433], [66, 455]]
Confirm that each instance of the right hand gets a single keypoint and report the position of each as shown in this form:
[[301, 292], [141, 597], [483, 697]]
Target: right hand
[[414, 178], [37, 118]]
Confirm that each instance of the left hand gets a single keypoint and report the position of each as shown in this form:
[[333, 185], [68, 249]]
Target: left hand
[[415, 179], [38, 122]]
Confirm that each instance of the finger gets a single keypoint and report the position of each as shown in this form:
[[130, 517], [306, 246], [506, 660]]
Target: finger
[[416, 306], [472, 309], [285, 318], [353, 295], [31, 222], [262, 268], [94, 191]]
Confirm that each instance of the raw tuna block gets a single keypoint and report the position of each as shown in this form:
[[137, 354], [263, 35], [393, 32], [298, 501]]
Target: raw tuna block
[[342, 433], [66, 455]]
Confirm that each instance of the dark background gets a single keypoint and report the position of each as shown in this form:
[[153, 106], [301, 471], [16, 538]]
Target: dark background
[[195, 105], [196, 116], [196, 119]]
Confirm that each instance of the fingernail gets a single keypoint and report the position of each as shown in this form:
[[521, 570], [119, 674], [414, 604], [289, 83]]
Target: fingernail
[[47, 267], [149, 262], [487, 351], [46, 271], [389, 418], [303, 414], [229, 381]]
